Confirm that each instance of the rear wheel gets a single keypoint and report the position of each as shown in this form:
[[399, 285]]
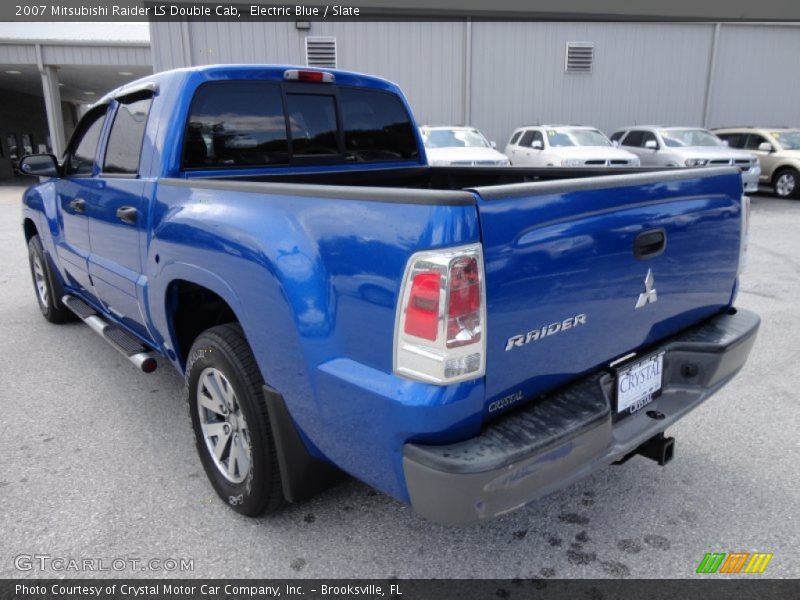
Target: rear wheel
[[787, 184], [48, 292], [230, 421]]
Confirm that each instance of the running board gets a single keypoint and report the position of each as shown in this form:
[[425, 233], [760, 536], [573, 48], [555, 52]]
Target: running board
[[125, 343]]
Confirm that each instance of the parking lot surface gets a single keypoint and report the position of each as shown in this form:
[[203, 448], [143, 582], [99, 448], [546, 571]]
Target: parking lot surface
[[97, 461]]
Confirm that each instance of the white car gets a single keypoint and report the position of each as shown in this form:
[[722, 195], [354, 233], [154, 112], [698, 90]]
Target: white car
[[687, 147], [565, 146], [460, 147]]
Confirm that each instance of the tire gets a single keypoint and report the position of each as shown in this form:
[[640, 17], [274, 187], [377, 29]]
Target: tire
[[226, 406], [48, 290], [786, 183]]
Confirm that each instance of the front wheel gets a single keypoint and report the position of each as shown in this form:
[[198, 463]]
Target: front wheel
[[787, 184], [230, 421], [48, 291]]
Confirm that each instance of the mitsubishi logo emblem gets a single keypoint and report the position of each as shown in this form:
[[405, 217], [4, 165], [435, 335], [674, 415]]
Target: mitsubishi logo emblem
[[649, 295]]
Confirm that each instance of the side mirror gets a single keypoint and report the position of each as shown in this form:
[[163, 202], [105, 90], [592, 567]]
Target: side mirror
[[765, 147], [615, 143], [537, 145], [725, 143], [651, 145], [493, 145], [39, 165]]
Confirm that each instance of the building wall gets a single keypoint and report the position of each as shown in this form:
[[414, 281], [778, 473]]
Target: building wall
[[500, 75], [757, 77], [25, 114]]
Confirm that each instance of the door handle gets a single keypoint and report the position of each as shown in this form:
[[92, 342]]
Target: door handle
[[78, 205], [650, 244], [127, 214]]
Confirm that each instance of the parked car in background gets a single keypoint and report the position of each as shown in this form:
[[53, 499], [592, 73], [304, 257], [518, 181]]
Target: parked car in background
[[460, 146], [565, 146], [686, 147], [778, 151]]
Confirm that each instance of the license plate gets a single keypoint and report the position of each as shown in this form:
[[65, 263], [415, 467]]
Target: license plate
[[639, 383]]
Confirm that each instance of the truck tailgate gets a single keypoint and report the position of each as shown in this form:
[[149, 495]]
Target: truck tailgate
[[563, 279]]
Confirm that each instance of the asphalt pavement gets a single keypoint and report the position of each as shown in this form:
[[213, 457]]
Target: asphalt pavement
[[97, 462]]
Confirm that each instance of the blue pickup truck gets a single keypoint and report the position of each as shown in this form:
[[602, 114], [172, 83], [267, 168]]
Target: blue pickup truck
[[464, 339]]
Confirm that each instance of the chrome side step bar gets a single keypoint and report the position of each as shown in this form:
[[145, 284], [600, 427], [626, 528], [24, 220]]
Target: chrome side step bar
[[122, 341]]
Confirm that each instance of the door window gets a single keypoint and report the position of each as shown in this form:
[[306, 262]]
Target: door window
[[634, 138], [735, 140], [648, 136], [514, 138], [526, 139], [83, 146], [124, 148], [753, 141]]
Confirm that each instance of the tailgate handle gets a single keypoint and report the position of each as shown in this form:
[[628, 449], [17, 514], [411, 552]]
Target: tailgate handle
[[650, 243]]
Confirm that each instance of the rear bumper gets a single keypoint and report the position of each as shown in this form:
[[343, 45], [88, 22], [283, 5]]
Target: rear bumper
[[549, 444]]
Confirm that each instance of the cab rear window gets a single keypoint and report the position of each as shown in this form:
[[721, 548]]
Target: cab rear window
[[255, 124]]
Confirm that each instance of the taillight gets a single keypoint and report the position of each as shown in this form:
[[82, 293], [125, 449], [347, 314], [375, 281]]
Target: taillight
[[308, 76], [422, 314], [745, 233], [440, 334]]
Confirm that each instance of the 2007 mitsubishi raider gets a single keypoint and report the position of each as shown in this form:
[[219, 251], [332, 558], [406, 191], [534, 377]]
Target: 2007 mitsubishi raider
[[463, 339]]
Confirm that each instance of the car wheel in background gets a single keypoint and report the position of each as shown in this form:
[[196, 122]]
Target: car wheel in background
[[787, 184]]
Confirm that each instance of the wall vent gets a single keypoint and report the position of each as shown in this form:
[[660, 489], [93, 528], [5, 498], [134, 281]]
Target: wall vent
[[580, 57], [321, 52]]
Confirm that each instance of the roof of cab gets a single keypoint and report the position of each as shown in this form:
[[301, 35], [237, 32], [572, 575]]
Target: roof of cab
[[253, 72]]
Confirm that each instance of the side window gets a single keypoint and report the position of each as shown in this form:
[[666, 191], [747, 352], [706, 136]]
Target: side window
[[514, 138], [617, 136], [376, 126], [236, 124], [753, 141], [735, 140], [649, 136], [83, 146], [124, 147], [526, 139], [634, 138], [538, 137]]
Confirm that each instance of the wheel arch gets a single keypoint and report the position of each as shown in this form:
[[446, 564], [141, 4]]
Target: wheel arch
[[190, 308], [782, 168], [30, 229]]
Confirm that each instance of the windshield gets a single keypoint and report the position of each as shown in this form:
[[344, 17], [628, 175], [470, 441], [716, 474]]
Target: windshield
[[690, 137], [576, 137], [454, 138], [790, 140]]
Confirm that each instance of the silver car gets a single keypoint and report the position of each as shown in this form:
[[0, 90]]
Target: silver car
[[686, 147]]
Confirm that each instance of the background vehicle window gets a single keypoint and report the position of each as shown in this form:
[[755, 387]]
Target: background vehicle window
[[83, 147], [537, 137], [753, 141], [312, 119], [634, 138], [648, 136], [125, 140], [376, 126], [527, 138], [515, 137], [617, 135], [236, 124], [735, 140]]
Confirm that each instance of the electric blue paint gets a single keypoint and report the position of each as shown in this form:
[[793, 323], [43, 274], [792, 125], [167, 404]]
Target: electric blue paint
[[314, 281]]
